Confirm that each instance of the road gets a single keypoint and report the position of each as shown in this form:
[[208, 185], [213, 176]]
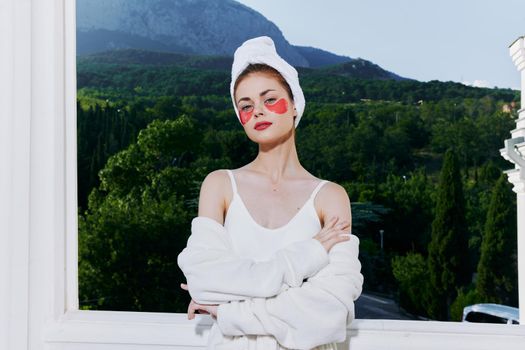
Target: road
[[374, 307]]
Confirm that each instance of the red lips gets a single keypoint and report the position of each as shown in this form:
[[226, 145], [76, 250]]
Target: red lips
[[262, 125]]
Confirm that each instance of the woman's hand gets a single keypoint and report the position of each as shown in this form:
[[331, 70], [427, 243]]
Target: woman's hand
[[333, 233], [195, 307]]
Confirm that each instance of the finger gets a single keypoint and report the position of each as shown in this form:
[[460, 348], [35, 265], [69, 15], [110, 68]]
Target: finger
[[329, 225], [338, 232], [343, 237], [184, 286], [195, 309], [331, 222], [190, 311], [329, 233], [342, 227], [340, 237], [343, 223], [203, 310]]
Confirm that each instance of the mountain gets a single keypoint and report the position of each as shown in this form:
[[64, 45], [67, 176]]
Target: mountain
[[357, 68], [319, 58], [360, 68], [205, 27], [122, 57], [190, 27]]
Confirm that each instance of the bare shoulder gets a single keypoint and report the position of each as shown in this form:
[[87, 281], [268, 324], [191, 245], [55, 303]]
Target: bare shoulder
[[333, 200], [212, 195]]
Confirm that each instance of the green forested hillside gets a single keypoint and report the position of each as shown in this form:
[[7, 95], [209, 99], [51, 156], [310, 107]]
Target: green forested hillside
[[148, 133]]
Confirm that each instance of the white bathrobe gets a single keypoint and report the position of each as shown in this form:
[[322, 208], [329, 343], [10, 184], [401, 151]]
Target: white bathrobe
[[303, 297]]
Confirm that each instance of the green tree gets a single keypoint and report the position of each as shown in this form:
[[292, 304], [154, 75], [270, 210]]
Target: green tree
[[410, 271], [466, 296], [138, 220], [448, 262], [127, 252], [408, 223], [497, 268], [477, 201]]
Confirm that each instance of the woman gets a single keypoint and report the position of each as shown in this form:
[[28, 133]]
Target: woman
[[292, 273]]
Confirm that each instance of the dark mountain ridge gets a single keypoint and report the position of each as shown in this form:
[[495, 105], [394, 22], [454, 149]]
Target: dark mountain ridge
[[357, 68], [194, 27]]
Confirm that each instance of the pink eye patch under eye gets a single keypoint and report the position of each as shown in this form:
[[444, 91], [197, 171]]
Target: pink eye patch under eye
[[279, 107], [245, 116]]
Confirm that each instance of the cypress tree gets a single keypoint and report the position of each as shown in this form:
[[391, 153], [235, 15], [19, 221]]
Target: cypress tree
[[448, 261], [497, 268]]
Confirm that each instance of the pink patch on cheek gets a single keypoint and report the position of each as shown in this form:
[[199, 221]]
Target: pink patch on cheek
[[279, 107], [245, 116]]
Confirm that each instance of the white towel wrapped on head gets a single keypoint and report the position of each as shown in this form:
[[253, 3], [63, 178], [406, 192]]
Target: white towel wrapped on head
[[262, 50]]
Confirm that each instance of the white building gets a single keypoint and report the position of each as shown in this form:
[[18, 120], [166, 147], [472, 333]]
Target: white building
[[38, 245], [514, 151]]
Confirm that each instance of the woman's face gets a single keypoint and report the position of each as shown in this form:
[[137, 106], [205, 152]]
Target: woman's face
[[265, 110]]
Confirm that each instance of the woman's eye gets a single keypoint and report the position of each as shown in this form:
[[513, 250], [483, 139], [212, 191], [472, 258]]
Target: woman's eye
[[246, 108], [270, 100]]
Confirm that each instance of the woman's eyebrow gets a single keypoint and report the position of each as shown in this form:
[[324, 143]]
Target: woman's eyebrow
[[265, 92], [261, 94]]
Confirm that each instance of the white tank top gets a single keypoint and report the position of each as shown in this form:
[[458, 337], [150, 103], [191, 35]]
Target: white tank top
[[250, 239]]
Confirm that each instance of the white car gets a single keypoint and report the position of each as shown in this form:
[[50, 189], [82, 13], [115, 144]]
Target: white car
[[491, 313]]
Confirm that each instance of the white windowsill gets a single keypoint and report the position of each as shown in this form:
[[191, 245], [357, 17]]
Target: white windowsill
[[171, 329]]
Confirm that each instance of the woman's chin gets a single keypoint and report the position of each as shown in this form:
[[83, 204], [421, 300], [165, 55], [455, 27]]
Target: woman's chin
[[269, 138]]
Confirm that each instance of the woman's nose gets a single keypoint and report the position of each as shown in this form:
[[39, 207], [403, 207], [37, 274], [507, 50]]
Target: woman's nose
[[258, 109]]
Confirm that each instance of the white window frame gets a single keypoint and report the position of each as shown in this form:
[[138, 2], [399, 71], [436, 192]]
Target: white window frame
[[38, 216]]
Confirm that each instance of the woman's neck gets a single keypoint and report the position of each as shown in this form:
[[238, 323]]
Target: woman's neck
[[278, 160]]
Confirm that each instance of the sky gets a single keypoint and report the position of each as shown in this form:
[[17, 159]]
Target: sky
[[464, 41]]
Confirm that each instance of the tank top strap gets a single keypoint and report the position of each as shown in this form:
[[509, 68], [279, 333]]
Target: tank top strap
[[312, 196], [317, 188], [232, 180]]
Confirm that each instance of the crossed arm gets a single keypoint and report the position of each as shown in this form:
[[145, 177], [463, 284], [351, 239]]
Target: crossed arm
[[216, 275], [315, 313], [270, 298]]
